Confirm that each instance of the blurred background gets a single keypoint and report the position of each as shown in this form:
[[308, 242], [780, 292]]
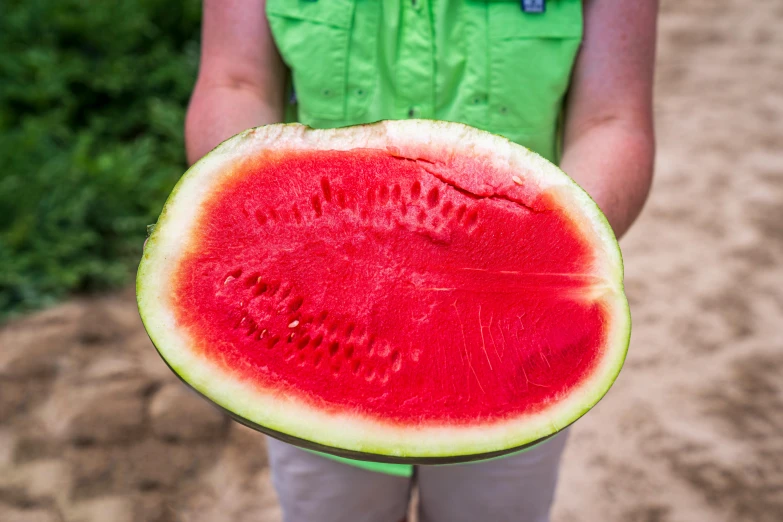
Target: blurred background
[[94, 427]]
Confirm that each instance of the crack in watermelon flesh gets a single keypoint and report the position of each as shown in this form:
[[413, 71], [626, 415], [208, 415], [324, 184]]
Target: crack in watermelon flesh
[[366, 283]]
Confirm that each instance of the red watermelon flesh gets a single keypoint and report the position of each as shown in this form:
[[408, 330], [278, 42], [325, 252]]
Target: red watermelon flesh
[[400, 288]]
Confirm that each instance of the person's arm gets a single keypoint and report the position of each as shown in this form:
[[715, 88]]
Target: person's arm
[[241, 78], [609, 141]]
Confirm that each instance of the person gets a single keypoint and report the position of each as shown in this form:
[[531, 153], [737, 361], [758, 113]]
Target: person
[[569, 80]]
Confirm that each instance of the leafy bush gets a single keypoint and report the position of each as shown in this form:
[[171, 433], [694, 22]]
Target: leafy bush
[[92, 101]]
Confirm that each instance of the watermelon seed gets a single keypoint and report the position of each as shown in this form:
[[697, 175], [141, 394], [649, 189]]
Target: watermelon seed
[[233, 275], [297, 214], [317, 206], [340, 198], [318, 340], [461, 212], [241, 319], [422, 215], [252, 279], [336, 369], [273, 341], [383, 195], [349, 330], [472, 218], [349, 351], [261, 334], [304, 341], [370, 196], [252, 329], [396, 192], [322, 316], [370, 375], [446, 209], [273, 214], [355, 365], [327, 190], [294, 323], [296, 304], [333, 347], [291, 337], [260, 217], [415, 190], [433, 197], [403, 208], [396, 362], [516, 180]]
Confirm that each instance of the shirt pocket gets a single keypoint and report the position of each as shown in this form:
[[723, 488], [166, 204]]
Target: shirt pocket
[[531, 57], [313, 39]]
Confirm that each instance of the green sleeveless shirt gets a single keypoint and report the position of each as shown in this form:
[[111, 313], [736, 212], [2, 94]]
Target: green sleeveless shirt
[[486, 63]]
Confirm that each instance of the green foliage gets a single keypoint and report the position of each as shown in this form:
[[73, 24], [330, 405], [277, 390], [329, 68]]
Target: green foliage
[[92, 101]]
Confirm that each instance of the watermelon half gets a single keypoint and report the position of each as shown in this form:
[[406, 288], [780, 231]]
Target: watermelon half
[[407, 291]]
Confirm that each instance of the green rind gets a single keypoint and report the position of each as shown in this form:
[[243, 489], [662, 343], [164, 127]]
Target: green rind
[[234, 406], [357, 455]]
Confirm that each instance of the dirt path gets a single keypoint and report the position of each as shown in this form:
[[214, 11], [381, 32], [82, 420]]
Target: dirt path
[[94, 427]]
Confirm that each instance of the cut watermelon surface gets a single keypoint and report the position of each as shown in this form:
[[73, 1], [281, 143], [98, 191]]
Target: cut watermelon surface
[[407, 291]]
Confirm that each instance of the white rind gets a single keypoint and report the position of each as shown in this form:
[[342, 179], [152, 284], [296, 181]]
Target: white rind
[[286, 413]]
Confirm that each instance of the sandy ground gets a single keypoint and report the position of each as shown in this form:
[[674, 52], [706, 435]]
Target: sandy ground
[[94, 427]]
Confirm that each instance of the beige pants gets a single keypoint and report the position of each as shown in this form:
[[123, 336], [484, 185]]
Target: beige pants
[[519, 488]]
